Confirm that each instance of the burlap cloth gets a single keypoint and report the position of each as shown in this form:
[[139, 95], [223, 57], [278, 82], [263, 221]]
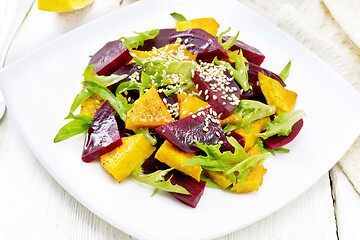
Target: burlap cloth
[[330, 29]]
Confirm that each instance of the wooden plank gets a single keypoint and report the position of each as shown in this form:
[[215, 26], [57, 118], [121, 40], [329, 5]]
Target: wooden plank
[[311, 216], [346, 202]]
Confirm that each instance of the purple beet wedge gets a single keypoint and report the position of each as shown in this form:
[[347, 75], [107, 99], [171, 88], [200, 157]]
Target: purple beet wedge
[[159, 41], [219, 90], [202, 42], [202, 126], [151, 165], [249, 52], [103, 135], [275, 142], [129, 69], [255, 90], [195, 188], [110, 58]]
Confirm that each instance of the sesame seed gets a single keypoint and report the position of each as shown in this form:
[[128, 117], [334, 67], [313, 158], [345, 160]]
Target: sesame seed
[[215, 97]]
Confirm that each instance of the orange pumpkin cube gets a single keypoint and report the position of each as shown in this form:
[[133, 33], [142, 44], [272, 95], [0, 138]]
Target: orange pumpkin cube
[[256, 127], [174, 157], [91, 105], [149, 111], [276, 95], [171, 52], [208, 24], [189, 105], [232, 119]]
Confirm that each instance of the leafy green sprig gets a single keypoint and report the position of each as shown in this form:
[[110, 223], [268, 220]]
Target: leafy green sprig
[[236, 166], [135, 41], [240, 72], [157, 180], [282, 124], [250, 110]]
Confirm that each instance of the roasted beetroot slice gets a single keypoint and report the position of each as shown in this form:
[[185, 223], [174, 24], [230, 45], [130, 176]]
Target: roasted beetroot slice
[[103, 135], [275, 142], [202, 126], [159, 41], [195, 188], [198, 40], [249, 52], [129, 69], [121, 126], [110, 58], [223, 97], [151, 165], [255, 90]]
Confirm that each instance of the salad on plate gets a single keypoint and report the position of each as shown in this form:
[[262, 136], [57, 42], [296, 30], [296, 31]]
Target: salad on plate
[[183, 108]]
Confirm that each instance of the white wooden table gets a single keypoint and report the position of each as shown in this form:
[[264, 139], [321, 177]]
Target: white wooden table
[[34, 206]]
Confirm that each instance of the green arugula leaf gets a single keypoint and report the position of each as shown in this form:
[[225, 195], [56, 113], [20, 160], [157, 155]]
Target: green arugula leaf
[[81, 97], [119, 102], [226, 162], [222, 34], [79, 124], [230, 42], [126, 86], [104, 81], [145, 132], [250, 110], [136, 41], [178, 17], [282, 124], [285, 72], [244, 167], [240, 72], [280, 149], [156, 179]]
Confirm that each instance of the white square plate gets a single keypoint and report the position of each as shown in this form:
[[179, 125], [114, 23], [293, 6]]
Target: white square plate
[[40, 87]]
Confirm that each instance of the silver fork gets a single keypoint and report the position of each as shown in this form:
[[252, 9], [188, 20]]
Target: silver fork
[[22, 9]]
